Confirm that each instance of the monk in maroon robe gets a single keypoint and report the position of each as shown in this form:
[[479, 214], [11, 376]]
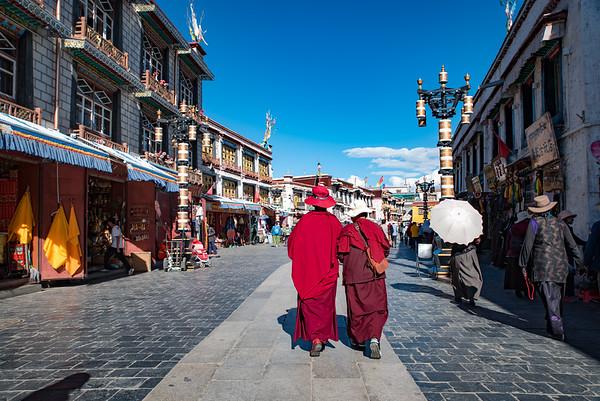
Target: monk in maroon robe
[[366, 295], [312, 248]]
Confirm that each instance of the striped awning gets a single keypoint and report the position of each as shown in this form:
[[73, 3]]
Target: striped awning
[[26, 137], [139, 169]]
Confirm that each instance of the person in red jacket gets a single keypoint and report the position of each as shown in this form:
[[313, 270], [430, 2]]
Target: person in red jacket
[[366, 295], [312, 248]]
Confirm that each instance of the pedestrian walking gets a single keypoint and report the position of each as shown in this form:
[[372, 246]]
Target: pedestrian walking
[[212, 241], [592, 251], [413, 234], [467, 279], [513, 275], [547, 243], [384, 228], [276, 233], [116, 247], [366, 295], [312, 248], [394, 234], [569, 218]]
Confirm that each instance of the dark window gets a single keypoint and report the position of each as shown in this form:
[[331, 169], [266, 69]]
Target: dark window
[[528, 101], [481, 152], [99, 15], [508, 126], [152, 59], [494, 138], [8, 65], [551, 72]]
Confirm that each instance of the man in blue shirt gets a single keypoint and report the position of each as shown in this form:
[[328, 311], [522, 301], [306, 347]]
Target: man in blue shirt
[[276, 233]]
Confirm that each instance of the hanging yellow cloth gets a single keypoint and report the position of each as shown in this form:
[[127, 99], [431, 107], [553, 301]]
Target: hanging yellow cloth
[[73, 247], [21, 225], [55, 245]]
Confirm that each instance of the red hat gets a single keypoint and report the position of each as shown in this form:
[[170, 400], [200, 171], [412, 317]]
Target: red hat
[[320, 197]]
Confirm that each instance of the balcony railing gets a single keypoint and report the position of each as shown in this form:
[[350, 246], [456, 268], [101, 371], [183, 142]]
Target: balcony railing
[[15, 110], [160, 87], [88, 134], [250, 174], [210, 159], [232, 167], [84, 31], [265, 178]]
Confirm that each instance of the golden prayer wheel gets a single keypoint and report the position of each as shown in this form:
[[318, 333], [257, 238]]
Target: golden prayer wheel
[[183, 151], [447, 186], [465, 118], [183, 197], [421, 109], [182, 174], [446, 158], [192, 132], [445, 130], [443, 76], [467, 105], [158, 134]]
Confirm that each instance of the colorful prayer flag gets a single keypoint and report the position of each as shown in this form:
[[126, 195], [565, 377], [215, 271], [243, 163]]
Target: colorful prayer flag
[[380, 182]]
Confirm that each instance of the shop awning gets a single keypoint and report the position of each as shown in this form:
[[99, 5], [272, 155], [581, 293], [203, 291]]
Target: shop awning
[[139, 169], [26, 137], [234, 204]]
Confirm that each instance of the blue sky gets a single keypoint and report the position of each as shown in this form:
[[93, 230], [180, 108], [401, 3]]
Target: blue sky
[[340, 76]]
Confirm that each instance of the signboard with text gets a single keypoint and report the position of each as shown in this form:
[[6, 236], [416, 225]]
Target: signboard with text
[[542, 141], [490, 176], [499, 165]]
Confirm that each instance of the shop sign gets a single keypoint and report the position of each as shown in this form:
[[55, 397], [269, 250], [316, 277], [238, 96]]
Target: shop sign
[[139, 221], [499, 165], [477, 185], [542, 141], [490, 176], [553, 180]]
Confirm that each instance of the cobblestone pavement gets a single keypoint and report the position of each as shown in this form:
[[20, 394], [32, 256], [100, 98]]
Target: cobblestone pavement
[[494, 351], [117, 339]]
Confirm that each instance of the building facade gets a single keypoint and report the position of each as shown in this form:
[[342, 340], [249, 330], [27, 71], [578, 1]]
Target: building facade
[[82, 85], [537, 117]]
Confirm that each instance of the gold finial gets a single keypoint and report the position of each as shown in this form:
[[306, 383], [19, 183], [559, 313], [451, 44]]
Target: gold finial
[[158, 113]]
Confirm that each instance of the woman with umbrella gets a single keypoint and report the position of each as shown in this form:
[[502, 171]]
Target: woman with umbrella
[[458, 223], [547, 242]]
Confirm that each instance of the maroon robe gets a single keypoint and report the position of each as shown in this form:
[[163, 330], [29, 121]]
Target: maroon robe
[[366, 294], [312, 248]]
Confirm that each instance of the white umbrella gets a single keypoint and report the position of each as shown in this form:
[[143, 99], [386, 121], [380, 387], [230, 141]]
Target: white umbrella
[[456, 221]]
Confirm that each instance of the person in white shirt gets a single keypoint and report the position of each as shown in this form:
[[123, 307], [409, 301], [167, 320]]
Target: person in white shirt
[[116, 247], [394, 234]]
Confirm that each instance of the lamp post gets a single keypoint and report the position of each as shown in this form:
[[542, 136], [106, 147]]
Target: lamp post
[[184, 130], [443, 102], [425, 187]]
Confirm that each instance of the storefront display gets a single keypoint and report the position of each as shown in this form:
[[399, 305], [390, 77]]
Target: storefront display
[[105, 201]]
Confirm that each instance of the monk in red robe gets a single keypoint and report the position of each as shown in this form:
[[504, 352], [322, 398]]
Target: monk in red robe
[[312, 248], [366, 295]]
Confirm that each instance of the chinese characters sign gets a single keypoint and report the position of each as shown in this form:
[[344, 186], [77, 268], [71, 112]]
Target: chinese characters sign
[[542, 141]]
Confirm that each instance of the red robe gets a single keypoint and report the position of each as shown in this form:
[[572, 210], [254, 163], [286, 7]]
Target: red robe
[[315, 268], [366, 295]]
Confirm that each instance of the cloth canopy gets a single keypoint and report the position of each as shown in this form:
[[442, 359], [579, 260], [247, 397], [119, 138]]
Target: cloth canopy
[[26, 137], [21, 225], [139, 169], [55, 245], [73, 247]]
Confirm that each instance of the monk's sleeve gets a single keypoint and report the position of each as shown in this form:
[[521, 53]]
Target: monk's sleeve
[[527, 248], [343, 244]]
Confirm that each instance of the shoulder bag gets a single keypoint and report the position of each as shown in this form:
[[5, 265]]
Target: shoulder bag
[[377, 267]]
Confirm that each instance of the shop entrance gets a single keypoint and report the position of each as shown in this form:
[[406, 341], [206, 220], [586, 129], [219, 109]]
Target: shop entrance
[[14, 258], [106, 200]]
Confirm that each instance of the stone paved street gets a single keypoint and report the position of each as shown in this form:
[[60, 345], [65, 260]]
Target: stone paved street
[[495, 351], [117, 339]]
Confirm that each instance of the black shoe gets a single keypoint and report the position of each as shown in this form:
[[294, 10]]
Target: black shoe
[[316, 349], [472, 302], [358, 347], [457, 300]]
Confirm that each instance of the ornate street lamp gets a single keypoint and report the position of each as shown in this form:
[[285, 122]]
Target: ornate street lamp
[[443, 102], [425, 187], [184, 128]]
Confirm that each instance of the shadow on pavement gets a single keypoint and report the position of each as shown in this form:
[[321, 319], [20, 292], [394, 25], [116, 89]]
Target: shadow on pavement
[[582, 320], [288, 324], [59, 391]]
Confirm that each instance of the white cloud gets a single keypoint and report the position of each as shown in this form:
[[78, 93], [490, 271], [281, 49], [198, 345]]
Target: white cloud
[[356, 180], [398, 164], [403, 179]]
